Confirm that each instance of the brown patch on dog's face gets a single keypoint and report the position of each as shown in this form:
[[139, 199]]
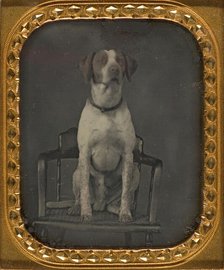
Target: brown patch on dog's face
[[120, 60], [99, 61]]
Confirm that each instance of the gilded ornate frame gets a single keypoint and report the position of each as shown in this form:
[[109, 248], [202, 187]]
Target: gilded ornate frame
[[209, 231]]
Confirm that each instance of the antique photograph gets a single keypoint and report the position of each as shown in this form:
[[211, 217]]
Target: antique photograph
[[111, 134]]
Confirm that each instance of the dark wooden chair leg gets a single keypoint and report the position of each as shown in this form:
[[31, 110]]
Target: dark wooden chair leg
[[148, 239], [127, 237], [42, 182], [58, 179], [153, 192]]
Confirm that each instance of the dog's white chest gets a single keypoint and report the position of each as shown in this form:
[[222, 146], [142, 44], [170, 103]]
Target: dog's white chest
[[106, 135], [111, 126], [109, 130]]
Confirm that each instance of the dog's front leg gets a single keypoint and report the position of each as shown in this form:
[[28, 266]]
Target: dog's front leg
[[127, 170], [84, 168]]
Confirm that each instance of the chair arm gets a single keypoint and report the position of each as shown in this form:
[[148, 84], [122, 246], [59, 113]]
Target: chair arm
[[57, 154], [50, 155], [145, 159]]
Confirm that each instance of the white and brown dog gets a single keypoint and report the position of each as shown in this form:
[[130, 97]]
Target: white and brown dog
[[106, 139]]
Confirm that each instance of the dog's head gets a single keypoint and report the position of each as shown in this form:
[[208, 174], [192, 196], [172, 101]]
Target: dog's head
[[107, 67]]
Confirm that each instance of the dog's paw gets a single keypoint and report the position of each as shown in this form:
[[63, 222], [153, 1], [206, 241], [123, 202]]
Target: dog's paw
[[74, 210], [86, 218], [99, 205], [125, 217], [86, 214]]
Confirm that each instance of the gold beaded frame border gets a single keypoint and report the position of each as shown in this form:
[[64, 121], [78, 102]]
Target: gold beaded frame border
[[160, 257]]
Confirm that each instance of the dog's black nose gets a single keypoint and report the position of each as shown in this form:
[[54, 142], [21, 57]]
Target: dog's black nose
[[114, 70]]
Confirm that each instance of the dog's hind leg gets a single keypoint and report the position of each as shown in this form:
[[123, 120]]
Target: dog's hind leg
[[99, 203], [75, 209]]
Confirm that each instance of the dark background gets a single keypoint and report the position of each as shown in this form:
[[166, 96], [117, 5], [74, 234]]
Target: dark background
[[164, 98]]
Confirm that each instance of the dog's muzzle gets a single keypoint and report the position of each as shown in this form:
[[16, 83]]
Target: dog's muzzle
[[114, 70], [114, 73]]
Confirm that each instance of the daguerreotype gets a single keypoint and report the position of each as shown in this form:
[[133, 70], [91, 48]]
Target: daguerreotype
[[111, 134]]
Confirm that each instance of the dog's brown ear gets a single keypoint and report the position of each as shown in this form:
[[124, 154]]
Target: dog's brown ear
[[86, 68], [130, 66]]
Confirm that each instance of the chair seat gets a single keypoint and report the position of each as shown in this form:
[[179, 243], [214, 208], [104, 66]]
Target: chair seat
[[100, 221], [74, 233]]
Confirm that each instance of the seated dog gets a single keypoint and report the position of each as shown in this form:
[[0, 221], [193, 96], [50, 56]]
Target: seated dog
[[106, 176]]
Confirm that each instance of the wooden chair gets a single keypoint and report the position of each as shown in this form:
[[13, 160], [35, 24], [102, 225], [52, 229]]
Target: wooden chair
[[53, 213]]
